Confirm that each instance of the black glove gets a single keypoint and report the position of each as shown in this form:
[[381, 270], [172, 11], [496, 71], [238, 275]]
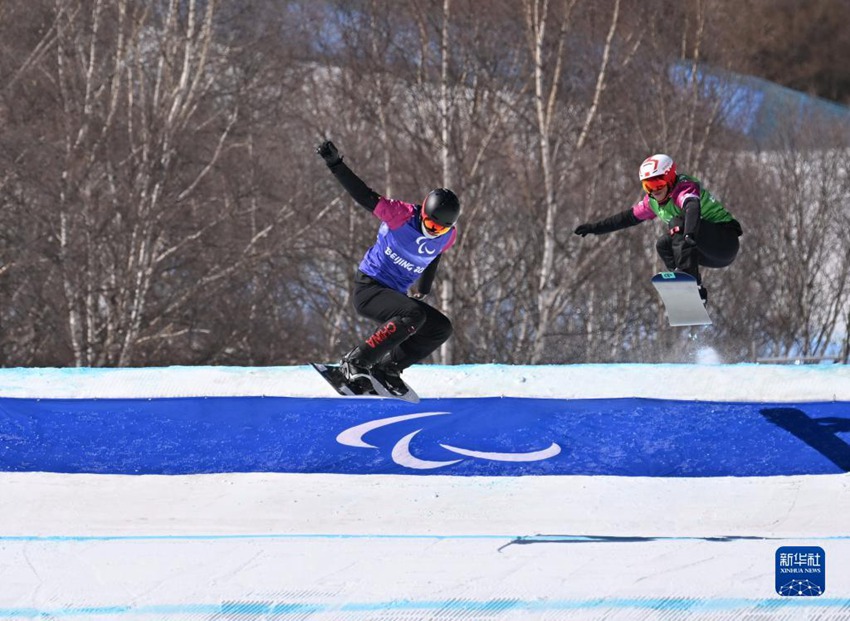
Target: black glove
[[414, 292], [585, 229], [329, 153]]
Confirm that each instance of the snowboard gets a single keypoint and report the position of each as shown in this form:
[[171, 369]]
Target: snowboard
[[680, 294], [379, 387]]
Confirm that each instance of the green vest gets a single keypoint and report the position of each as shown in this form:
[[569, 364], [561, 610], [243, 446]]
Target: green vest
[[710, 208]]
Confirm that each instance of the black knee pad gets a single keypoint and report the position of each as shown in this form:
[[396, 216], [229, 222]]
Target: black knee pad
[[411, 321]]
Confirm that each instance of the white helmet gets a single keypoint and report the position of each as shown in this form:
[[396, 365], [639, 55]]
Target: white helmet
[[658, 167]]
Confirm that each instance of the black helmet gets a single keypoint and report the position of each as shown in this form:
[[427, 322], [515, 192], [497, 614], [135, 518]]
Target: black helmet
[[441, 206]]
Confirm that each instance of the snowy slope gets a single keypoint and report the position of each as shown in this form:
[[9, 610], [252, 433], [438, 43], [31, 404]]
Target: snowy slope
[[342, 546], [737, 382]]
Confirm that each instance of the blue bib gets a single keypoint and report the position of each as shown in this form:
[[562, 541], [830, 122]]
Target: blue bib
[[399, 256]]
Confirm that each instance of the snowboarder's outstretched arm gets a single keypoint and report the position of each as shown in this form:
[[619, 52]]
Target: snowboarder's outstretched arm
[[622, 220], [365, 196]]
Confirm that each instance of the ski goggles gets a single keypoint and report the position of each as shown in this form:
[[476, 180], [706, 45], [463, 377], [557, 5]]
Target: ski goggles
[[654, 184], [434, 227]]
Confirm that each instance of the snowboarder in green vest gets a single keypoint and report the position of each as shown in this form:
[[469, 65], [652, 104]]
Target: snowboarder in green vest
[[699, 230]]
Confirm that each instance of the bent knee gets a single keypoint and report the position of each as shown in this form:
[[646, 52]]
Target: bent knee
[[442, 326], [664, 244]]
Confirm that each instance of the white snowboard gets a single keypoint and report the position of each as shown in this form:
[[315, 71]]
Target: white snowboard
[[680, 294]]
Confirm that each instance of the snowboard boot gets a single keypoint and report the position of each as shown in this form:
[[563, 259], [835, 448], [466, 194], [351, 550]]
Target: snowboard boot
[[390, 373], [703, 295], [356, 369]]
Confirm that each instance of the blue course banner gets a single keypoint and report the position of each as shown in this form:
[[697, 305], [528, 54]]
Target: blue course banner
[[460, 437]]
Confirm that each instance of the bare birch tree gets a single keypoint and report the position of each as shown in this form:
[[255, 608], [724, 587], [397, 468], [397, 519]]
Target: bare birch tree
[[142, 131], [161, 201]]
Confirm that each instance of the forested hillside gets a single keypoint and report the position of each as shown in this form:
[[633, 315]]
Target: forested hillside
[[161, 201]]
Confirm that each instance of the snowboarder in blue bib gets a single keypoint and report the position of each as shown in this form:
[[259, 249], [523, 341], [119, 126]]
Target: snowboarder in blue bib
[[699, 230], [396, 274]]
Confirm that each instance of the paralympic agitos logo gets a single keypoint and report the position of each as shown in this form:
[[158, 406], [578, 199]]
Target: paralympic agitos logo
[[401, 453], [423, 249]]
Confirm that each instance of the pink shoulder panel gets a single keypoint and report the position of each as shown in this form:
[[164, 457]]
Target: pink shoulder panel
[[395, 213], [642, 210]]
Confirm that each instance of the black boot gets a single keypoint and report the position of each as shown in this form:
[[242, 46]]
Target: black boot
[[703, 294], [356, 369], [390, 373]]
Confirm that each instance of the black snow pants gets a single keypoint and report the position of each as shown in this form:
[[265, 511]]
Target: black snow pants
[[410, 329], [717, 246]]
